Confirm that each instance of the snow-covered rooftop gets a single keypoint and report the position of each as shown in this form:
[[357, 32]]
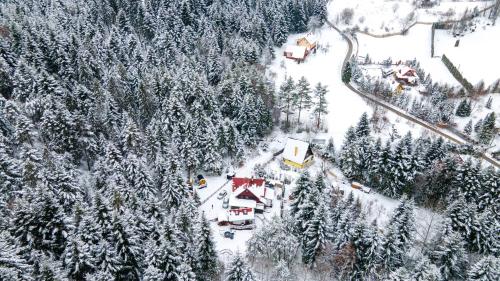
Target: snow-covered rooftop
[[295, 150], [297, 52], [242, 203]]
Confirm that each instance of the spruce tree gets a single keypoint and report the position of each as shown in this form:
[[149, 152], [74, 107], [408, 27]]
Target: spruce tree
[[346, 74], [486, 269], [320, 104], [468, 128], [316, 234], [363, 127], [238, 270], [450, 256], [206, 253], [487, 132], [302, 96], [286, 94], [489, 102]]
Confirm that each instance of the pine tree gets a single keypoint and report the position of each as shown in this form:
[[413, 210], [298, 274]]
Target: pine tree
[[286, 94], [489, 102], [320, 105], [450, 256], [12, 265], [468, 128], [346, 74], [206, 253], [303, 186], [363, 127], [486, 269], [316, 234], [399, 236], [302, 96], [487, 132], [425, 271], [464, 109], [238, 270], [478, 125]]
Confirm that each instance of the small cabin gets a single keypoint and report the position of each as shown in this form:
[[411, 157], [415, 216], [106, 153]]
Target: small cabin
[[297, 153]]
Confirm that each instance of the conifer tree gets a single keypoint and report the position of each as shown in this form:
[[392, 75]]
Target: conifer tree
[[450, 256], [303, 186], [320, 104], [486, 269], [316, 234], [238, 270], [489, 102], [487, 132], [286, 94], [363, 127], [468, 128], [206, 253], [302, 96]]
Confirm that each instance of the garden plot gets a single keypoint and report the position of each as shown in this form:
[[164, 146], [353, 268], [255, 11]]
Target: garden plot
[[476, 56]]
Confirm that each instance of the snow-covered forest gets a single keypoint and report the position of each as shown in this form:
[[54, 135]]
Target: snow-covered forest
[[108, 110]]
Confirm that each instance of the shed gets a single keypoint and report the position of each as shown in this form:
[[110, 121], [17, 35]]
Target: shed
[[297, 153]]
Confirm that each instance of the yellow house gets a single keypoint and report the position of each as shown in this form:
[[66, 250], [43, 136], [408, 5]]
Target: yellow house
[[297, 153]]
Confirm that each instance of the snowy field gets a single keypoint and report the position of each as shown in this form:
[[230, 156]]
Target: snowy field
[[345, 107], [415, 45], [381, 17], [476, 57]]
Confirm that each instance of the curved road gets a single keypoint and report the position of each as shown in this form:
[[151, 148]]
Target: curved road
[[398, 111]]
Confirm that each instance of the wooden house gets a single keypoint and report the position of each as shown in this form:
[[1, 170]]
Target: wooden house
[[297, 153], [406, 75], [309, 41]]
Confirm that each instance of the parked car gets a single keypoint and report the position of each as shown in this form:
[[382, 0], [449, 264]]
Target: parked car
[[229, 234], [222, 194], [225, 203]]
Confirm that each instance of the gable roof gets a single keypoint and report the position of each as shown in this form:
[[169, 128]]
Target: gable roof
[[295, 150], [242, 203], [245, 182], [296, 52]]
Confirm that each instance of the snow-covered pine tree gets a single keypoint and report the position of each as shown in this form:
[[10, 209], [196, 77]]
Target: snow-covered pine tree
[[487, 132], [464, 108], [286, 94], [303, 186], [320, 104], [450, 256], [468, 128], [238, 270], [399, 236], [302, 96], [316, 234], [489, 102], [363, 127], [486, 269], [206, 253]]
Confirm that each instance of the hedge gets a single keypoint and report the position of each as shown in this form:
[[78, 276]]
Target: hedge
[[454, 71]]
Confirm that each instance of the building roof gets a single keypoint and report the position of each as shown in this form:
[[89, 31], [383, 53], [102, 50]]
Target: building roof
[[296, 52], [295, 150], [239, 215], [259, 191], [311, 38], [242, 203], [245, 182]]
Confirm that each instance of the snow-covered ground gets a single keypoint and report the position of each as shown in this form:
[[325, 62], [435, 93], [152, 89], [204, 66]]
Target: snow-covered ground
[[476, 57], [382, 16], [344, 106], [416, 44]]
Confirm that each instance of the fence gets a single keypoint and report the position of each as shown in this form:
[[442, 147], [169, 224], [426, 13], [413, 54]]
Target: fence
[[454, 71]]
